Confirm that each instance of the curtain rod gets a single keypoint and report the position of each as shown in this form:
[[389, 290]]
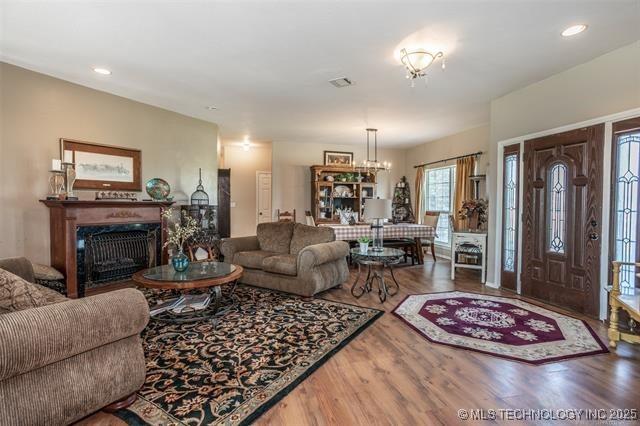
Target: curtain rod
[[475, 154]]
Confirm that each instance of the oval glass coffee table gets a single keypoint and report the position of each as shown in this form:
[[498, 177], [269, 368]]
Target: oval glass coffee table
[[199, 277], [376, 261]]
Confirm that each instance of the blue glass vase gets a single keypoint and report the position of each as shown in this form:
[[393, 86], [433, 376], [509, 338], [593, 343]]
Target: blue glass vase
[[180, 261]]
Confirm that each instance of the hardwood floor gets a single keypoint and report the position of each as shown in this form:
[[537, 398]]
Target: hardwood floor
[[390, 375]]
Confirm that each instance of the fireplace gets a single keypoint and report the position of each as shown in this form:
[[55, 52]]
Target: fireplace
[[112, 253], [98, 245]]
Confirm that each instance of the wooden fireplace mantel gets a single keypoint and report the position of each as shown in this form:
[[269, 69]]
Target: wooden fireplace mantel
[[65, 216]]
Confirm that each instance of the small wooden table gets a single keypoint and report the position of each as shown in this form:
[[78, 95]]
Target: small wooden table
[[627, 302], [207, 276], [472, 244]]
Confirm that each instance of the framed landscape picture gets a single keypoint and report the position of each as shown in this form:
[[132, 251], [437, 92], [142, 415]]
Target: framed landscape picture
[[337, 158], [102, 166]]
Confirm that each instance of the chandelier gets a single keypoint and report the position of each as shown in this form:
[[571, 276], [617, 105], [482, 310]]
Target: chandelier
[[417, 61], [371, 164]]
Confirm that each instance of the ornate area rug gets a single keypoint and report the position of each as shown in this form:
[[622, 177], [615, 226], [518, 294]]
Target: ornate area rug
[[232, 372], [500, 326]]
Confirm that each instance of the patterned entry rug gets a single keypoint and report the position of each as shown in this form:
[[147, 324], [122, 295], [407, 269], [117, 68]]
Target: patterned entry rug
[[500, 326], [232, 372]]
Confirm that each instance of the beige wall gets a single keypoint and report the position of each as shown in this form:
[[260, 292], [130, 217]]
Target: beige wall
[[605, 85], [37, 110], [244, 165], [292, 177]]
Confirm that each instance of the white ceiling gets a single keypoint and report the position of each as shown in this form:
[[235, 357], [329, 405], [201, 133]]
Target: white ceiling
[[265, 64]]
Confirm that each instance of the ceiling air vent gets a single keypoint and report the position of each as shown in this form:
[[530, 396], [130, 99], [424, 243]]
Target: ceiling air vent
[[341, 82]]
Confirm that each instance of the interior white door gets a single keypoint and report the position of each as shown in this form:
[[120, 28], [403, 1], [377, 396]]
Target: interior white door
[[263, 191]]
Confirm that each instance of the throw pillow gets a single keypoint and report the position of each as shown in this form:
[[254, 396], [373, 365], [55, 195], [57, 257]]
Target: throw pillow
[[17, 294], [46, 273]]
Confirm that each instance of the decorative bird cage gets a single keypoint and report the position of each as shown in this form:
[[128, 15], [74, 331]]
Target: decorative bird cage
[[200, 197]]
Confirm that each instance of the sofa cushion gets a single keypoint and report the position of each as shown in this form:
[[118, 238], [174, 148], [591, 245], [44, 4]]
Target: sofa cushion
[[17, 294], [304, 235], [251, 259], [281, 264], [275, 236]]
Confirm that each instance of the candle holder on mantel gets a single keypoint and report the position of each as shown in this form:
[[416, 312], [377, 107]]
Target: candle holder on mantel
[[56, 185], [69, 179]]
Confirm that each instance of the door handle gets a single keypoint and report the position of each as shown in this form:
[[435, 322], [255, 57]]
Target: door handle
[[260, 213], [594, 236]]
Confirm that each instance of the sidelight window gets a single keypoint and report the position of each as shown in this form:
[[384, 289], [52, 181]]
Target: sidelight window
[[557, 208], [510, 212], [627, 173]]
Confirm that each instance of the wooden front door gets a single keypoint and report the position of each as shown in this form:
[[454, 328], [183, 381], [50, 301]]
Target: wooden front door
[[561, 219]]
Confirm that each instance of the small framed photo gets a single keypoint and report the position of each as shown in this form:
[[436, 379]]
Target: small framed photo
[[338, 158]]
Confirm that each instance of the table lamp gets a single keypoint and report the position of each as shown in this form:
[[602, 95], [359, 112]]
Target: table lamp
[[377, 209]]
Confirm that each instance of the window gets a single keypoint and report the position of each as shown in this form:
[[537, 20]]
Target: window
[[510, 214], [439, 198], [557, 206], [627, 174]]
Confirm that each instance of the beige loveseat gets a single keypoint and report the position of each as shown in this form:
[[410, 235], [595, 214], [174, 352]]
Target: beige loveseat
[[63, 359], [290, 257]]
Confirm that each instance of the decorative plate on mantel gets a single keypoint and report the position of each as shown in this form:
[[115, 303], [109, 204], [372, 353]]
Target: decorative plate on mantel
[[158, 189]]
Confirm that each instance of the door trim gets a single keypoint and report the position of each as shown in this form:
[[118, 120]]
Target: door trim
[[606, 201]]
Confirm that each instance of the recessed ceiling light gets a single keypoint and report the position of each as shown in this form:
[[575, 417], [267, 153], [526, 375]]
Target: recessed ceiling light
[[211, 107], [573, 30], [102, 71]]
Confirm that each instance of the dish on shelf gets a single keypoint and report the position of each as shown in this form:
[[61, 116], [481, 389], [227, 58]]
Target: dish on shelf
[[341, 191]]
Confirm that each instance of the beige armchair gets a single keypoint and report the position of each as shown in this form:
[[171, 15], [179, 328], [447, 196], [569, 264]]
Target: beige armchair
[[64, 359]]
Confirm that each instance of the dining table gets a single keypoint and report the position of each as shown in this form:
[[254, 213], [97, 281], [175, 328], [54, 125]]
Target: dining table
[[396, 231]]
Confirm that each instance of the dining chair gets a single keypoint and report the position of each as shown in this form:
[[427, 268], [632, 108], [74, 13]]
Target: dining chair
[[431, 219], [309, 218], [286, 216]]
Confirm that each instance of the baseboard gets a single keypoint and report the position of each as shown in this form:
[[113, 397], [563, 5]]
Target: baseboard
[[492, 285]]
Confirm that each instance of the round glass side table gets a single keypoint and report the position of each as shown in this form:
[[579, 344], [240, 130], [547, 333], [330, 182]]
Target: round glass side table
[[376, 261]]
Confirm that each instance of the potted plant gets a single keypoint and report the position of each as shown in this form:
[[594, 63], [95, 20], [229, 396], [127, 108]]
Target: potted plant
[[364, 243], [177, 235]]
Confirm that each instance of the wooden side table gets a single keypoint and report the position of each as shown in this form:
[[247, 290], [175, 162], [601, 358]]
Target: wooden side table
[[469, 250]]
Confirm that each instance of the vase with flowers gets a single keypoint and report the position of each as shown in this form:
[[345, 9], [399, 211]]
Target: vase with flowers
[[177, 235], [474, 212]]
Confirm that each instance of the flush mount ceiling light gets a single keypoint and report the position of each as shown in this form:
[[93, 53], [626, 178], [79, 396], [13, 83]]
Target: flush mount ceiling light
[[573, 30], [246, 145], [417, 61], [211, 108], [102, 71], [341, 82]]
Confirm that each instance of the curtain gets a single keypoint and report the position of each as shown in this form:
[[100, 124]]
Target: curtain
[[419, 194], [464, 189]]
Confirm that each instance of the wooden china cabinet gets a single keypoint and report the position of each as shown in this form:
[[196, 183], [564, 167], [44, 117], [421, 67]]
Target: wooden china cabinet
[[339, 187]]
